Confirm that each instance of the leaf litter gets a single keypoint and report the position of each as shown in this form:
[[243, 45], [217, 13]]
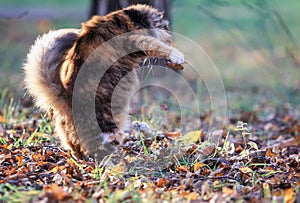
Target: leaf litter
[[257, 161]]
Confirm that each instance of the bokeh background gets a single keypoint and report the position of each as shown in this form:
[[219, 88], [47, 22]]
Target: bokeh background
[[253, 43]]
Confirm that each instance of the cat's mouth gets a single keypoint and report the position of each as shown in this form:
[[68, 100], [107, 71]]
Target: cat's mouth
[[149, 61], [175, 66]]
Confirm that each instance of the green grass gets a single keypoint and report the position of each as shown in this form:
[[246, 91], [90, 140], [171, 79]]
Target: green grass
[[141, 184], [17, 194], [232, 36]]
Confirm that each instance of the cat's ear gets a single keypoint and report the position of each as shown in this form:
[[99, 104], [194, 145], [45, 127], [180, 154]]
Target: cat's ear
[[67, 73], [146, 17]]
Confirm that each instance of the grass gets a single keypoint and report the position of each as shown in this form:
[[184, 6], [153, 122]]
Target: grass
[[255, 75], [9, 107], [17, 194], [235, 33], [141, 184], [233, 38]]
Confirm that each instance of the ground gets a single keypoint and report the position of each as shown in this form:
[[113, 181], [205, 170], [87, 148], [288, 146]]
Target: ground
[[251, 155], [240, 162]]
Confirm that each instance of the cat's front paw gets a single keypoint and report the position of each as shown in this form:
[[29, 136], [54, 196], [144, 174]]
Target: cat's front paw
[[176, 56]]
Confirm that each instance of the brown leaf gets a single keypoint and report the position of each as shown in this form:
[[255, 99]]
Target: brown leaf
[[270, 153], [248, 116], [227, 191], [12, 171], [239, 149], [2, 119], [172, 135], [208, 151], [36, 157], [9, 147], [54, 192], [289, 195], [161, 182], [287, 119], [269, 168], [19, 159], [182, 168], [245, 177], [295, 141], [41, 163]]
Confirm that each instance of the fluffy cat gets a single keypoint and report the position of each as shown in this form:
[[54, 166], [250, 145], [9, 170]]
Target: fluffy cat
[[56, 58]]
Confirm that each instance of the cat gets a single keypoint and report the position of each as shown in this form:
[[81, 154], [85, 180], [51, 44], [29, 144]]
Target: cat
[[56, 58]]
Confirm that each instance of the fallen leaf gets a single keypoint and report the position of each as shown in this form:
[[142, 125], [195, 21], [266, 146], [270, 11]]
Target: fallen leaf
[[193, 196], [54, 192], [117, 169], [270, 153], [239, 149], [36, 157], [182, 168], [191, 137], [9, 147], [19, 159], [227, 191], [172, 135], [289, 195], [245, 170], [161, 182], [57, 168], [2, 119], [208, 150], [198, 166], [287, 118]]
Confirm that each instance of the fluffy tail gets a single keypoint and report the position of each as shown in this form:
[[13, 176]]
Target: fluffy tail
[[42, 67]]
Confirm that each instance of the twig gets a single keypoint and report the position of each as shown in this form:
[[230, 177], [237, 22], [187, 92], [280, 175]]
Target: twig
[[216, 178]]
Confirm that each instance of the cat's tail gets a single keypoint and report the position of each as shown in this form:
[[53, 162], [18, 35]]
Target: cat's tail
[[42, 66]]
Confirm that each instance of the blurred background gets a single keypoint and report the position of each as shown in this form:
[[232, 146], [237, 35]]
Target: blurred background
[[253, 43]]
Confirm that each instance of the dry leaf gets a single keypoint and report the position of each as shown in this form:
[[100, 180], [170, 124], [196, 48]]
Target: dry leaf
[[2, 119], [19, 159], [270, 153], [239, 149], [182, 168], [208, 150], [57, 193], [117, 169], [227, 190], [198, 166], [191, 137], [245, 170], [161, 182], [193, 196], [172, 135], [289, 195]]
